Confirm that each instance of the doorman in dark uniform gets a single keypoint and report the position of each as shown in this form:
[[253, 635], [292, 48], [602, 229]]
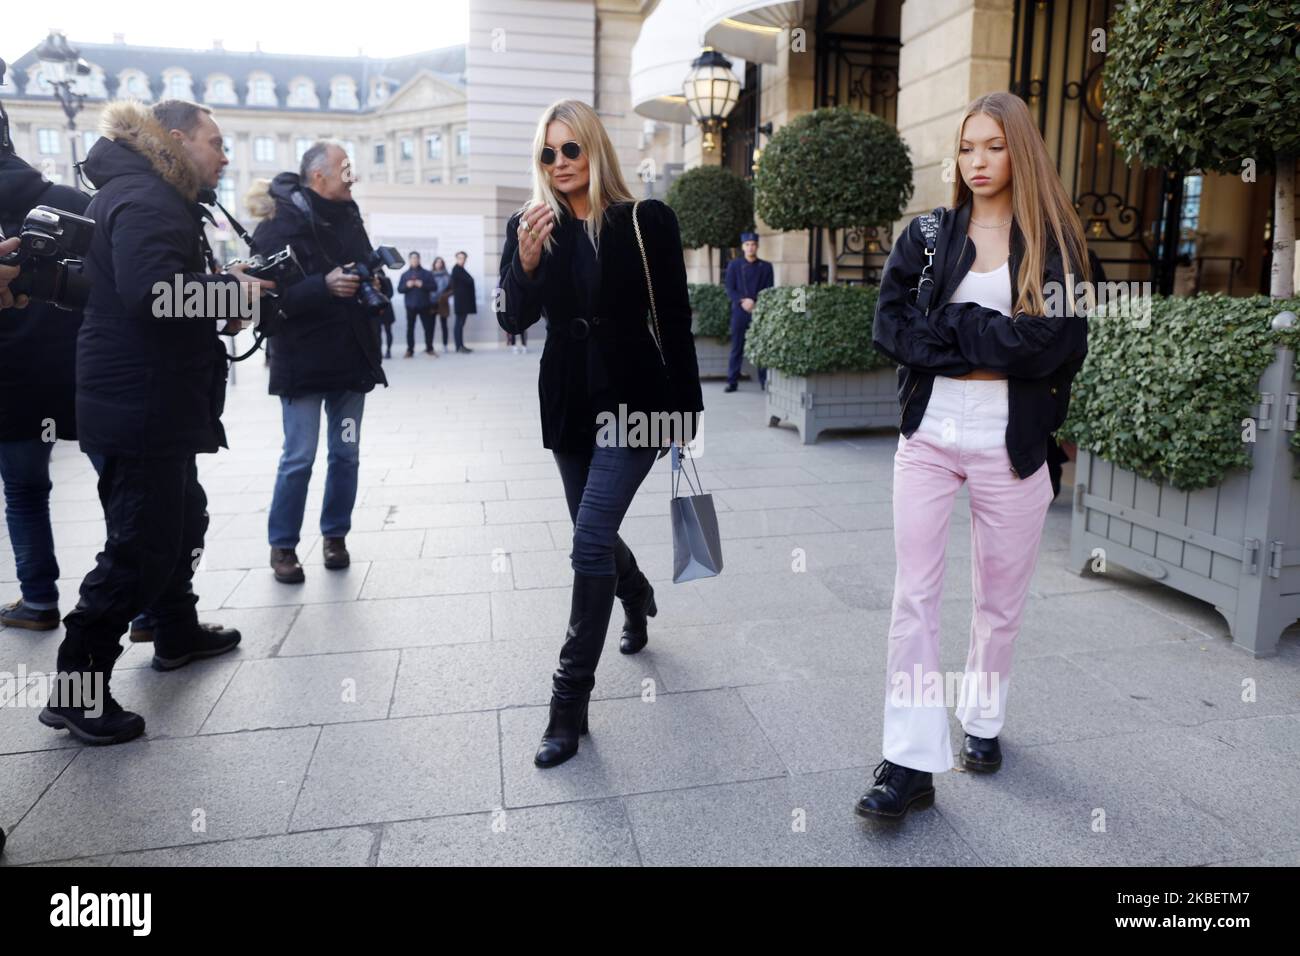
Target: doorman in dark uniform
[[746, 278]]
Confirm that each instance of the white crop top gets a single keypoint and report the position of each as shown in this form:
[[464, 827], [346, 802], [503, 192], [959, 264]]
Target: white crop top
[[989, 289]]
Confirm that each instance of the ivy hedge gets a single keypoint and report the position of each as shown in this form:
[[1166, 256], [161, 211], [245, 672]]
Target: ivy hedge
[[805, 329], [710, 309], [1165, 399]]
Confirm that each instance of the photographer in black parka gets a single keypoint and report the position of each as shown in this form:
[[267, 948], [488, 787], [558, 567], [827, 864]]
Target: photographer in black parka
[[151, 386]]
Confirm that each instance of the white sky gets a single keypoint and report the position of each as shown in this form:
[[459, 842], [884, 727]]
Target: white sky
[[387, 28]]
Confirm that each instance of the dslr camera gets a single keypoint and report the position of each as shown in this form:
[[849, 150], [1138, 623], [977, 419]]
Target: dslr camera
[[283, 269], [371, 299], [52, 243]]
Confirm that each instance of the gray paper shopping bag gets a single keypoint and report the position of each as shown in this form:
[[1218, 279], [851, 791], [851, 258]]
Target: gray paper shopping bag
[[697, 545]]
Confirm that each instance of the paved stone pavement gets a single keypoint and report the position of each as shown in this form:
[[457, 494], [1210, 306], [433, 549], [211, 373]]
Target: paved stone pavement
[[388, 714]]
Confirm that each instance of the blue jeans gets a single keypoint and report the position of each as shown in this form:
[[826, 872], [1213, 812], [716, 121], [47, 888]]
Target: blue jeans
[[25, 470], [301, 435], [603, 481]]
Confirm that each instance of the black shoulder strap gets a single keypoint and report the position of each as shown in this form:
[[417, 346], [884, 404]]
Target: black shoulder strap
[[930, 229], [925, 284]]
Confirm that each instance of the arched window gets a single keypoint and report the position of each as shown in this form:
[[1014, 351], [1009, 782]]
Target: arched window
[[220, 90], [177, 85], [343, 93], [133, 84], [379, 90], [302, 94], [261, 90], [93, 85]]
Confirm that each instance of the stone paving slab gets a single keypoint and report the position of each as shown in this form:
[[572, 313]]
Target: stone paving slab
[[150, 793], [590, 833]]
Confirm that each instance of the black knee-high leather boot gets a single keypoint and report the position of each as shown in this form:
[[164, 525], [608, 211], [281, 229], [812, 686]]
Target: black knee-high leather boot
[[592, 603], [638, 598]]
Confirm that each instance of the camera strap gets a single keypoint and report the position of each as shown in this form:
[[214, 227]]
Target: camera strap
[[206, 198]]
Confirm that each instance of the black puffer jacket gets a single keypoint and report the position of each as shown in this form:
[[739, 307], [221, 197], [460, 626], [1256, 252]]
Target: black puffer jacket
[[1040, 355], [38, 345], [147, 387], [326, 343]]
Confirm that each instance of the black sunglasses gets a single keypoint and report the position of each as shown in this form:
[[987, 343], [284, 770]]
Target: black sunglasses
[[571, 150]]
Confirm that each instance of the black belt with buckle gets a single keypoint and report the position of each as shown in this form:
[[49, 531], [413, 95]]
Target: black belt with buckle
[[579, 327]]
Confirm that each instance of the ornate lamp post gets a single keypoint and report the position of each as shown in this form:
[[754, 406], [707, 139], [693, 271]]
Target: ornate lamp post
[[64, 70], [711, 91]]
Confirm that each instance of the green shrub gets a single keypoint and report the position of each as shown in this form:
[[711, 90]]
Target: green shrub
[[1167, 401], [805, 329], [713, 206], [710, 309], [833, 168]]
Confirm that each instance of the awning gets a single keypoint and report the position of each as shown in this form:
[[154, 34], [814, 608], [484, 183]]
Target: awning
[[749, 28], [670, 39]]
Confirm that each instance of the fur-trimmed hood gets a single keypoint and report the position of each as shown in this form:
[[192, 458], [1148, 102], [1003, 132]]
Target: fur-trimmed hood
[[132, 125]]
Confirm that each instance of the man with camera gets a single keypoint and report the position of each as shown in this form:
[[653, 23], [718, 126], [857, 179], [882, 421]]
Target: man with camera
[[151, 380], [326, 352]]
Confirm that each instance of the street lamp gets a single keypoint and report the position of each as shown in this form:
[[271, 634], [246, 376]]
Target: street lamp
[[711, 91], [64, 70]]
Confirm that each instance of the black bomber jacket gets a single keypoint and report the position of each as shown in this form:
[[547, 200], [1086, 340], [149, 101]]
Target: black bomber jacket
[[1040, 355]]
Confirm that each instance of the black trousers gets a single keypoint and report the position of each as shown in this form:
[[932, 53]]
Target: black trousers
[[156, 516], [458, 332], [426, 319]]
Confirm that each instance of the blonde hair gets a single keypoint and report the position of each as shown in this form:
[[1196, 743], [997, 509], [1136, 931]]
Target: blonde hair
[[258, 199], [1040, 205], [605, 185]]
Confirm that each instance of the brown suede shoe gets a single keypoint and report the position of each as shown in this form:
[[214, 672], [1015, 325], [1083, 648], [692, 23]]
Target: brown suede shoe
[[336, 553], [19, 614], [285, 564]]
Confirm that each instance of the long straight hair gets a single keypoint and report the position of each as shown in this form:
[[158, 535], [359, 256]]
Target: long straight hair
[[605, 185], [1040, 206]]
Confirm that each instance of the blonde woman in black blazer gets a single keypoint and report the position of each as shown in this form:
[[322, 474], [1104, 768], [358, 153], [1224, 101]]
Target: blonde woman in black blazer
[[571, 254]]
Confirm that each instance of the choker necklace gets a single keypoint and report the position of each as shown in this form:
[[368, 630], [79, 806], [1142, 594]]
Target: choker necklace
[[992, 225]]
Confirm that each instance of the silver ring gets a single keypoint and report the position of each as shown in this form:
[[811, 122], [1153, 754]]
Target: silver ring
[[527, 225]]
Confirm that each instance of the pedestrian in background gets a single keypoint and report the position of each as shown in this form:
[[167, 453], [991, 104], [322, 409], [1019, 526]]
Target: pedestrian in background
[[442, 297], [746, 278], [418, 286], [462, 291]]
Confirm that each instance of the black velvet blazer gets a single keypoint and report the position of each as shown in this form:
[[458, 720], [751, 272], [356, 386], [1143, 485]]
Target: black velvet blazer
[[595, 363]]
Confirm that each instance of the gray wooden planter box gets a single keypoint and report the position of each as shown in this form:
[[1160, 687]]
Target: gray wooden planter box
[[1236, 545], [825, 400], [712, 354]]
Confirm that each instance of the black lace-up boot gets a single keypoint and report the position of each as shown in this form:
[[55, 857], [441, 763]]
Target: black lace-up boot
[[897, 789]]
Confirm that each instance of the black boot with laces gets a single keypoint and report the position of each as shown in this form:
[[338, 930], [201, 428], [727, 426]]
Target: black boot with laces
[[897, 789]]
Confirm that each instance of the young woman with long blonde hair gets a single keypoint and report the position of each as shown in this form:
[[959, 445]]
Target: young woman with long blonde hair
[[986, 316], [615, 346]]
